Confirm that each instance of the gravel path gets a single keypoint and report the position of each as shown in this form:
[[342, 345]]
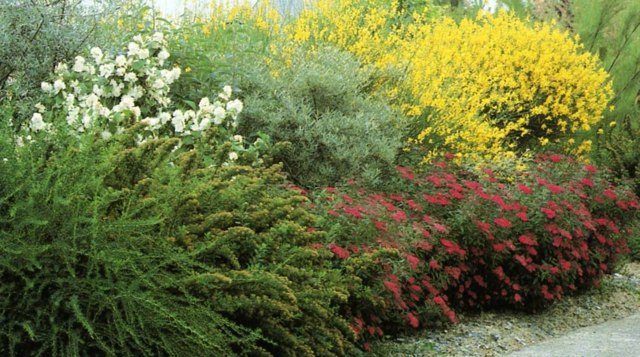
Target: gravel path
[[613, 338], [499, 333]]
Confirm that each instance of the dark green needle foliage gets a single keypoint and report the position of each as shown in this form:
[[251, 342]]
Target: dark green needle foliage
[[122, 250]]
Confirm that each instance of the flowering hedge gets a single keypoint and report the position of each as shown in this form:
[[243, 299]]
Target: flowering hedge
[[451, 239], [108, 93]]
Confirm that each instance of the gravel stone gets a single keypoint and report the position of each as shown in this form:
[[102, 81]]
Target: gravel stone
[[496, 333]]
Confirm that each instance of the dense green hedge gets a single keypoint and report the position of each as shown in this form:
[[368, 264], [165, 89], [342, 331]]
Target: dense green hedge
[[134, 250]]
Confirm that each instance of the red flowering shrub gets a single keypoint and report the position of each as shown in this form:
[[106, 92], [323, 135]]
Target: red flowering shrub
[[452, 239]]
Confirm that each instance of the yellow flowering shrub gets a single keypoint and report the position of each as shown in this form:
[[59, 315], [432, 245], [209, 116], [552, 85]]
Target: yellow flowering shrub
[[486, 88], [374, 30], [500, 85], [370, 29], [262, 16]]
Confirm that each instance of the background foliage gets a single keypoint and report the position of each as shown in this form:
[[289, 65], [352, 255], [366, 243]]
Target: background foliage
[[37, 35]]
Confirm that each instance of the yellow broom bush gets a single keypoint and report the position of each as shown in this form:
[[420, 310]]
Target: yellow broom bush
[[487, 88], [500, 86]]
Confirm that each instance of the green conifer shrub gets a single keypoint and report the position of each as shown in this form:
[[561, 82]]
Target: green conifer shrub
[[76, 281], [117, 248], [252, 230]]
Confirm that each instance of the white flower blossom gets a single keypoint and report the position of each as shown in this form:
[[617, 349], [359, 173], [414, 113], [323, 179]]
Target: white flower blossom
[[58, 85], [163, 55], [121, 61], [218, 115], [164, 118], [106, 70], [105, 76], [189, 115], [105, 112], [140, 140], [78, 66], [90, 69], [91, 101], [143, 53], [116, 91], [134, 49], [46, 87], [126, 103], [158, 84], [178, 121], [97, 90], [150, 121], [158, 37], [37, 123], [136, 92], [72, 115], [61, 68], [130, 77], [164, 101], [86, 121], [75, 85], [205, 123], [106, 135], [226, 93], [116, 88], [206, 106], [97, 54], [175, 74], [235, 105]]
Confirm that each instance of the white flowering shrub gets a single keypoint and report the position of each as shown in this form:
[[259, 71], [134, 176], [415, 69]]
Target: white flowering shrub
[[108, 93]]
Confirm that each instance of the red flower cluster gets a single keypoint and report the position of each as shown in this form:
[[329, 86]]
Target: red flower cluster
[[453, 239]]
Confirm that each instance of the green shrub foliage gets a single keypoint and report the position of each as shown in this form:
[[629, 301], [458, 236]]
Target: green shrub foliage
[[249, 227], [121, 249], [618, 148], [319, 103], [79, 281]]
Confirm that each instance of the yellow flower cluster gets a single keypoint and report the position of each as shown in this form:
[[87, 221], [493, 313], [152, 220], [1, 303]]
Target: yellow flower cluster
[[262, 16], [486, 88], [498, 82], [368, 28], [372, 29]]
